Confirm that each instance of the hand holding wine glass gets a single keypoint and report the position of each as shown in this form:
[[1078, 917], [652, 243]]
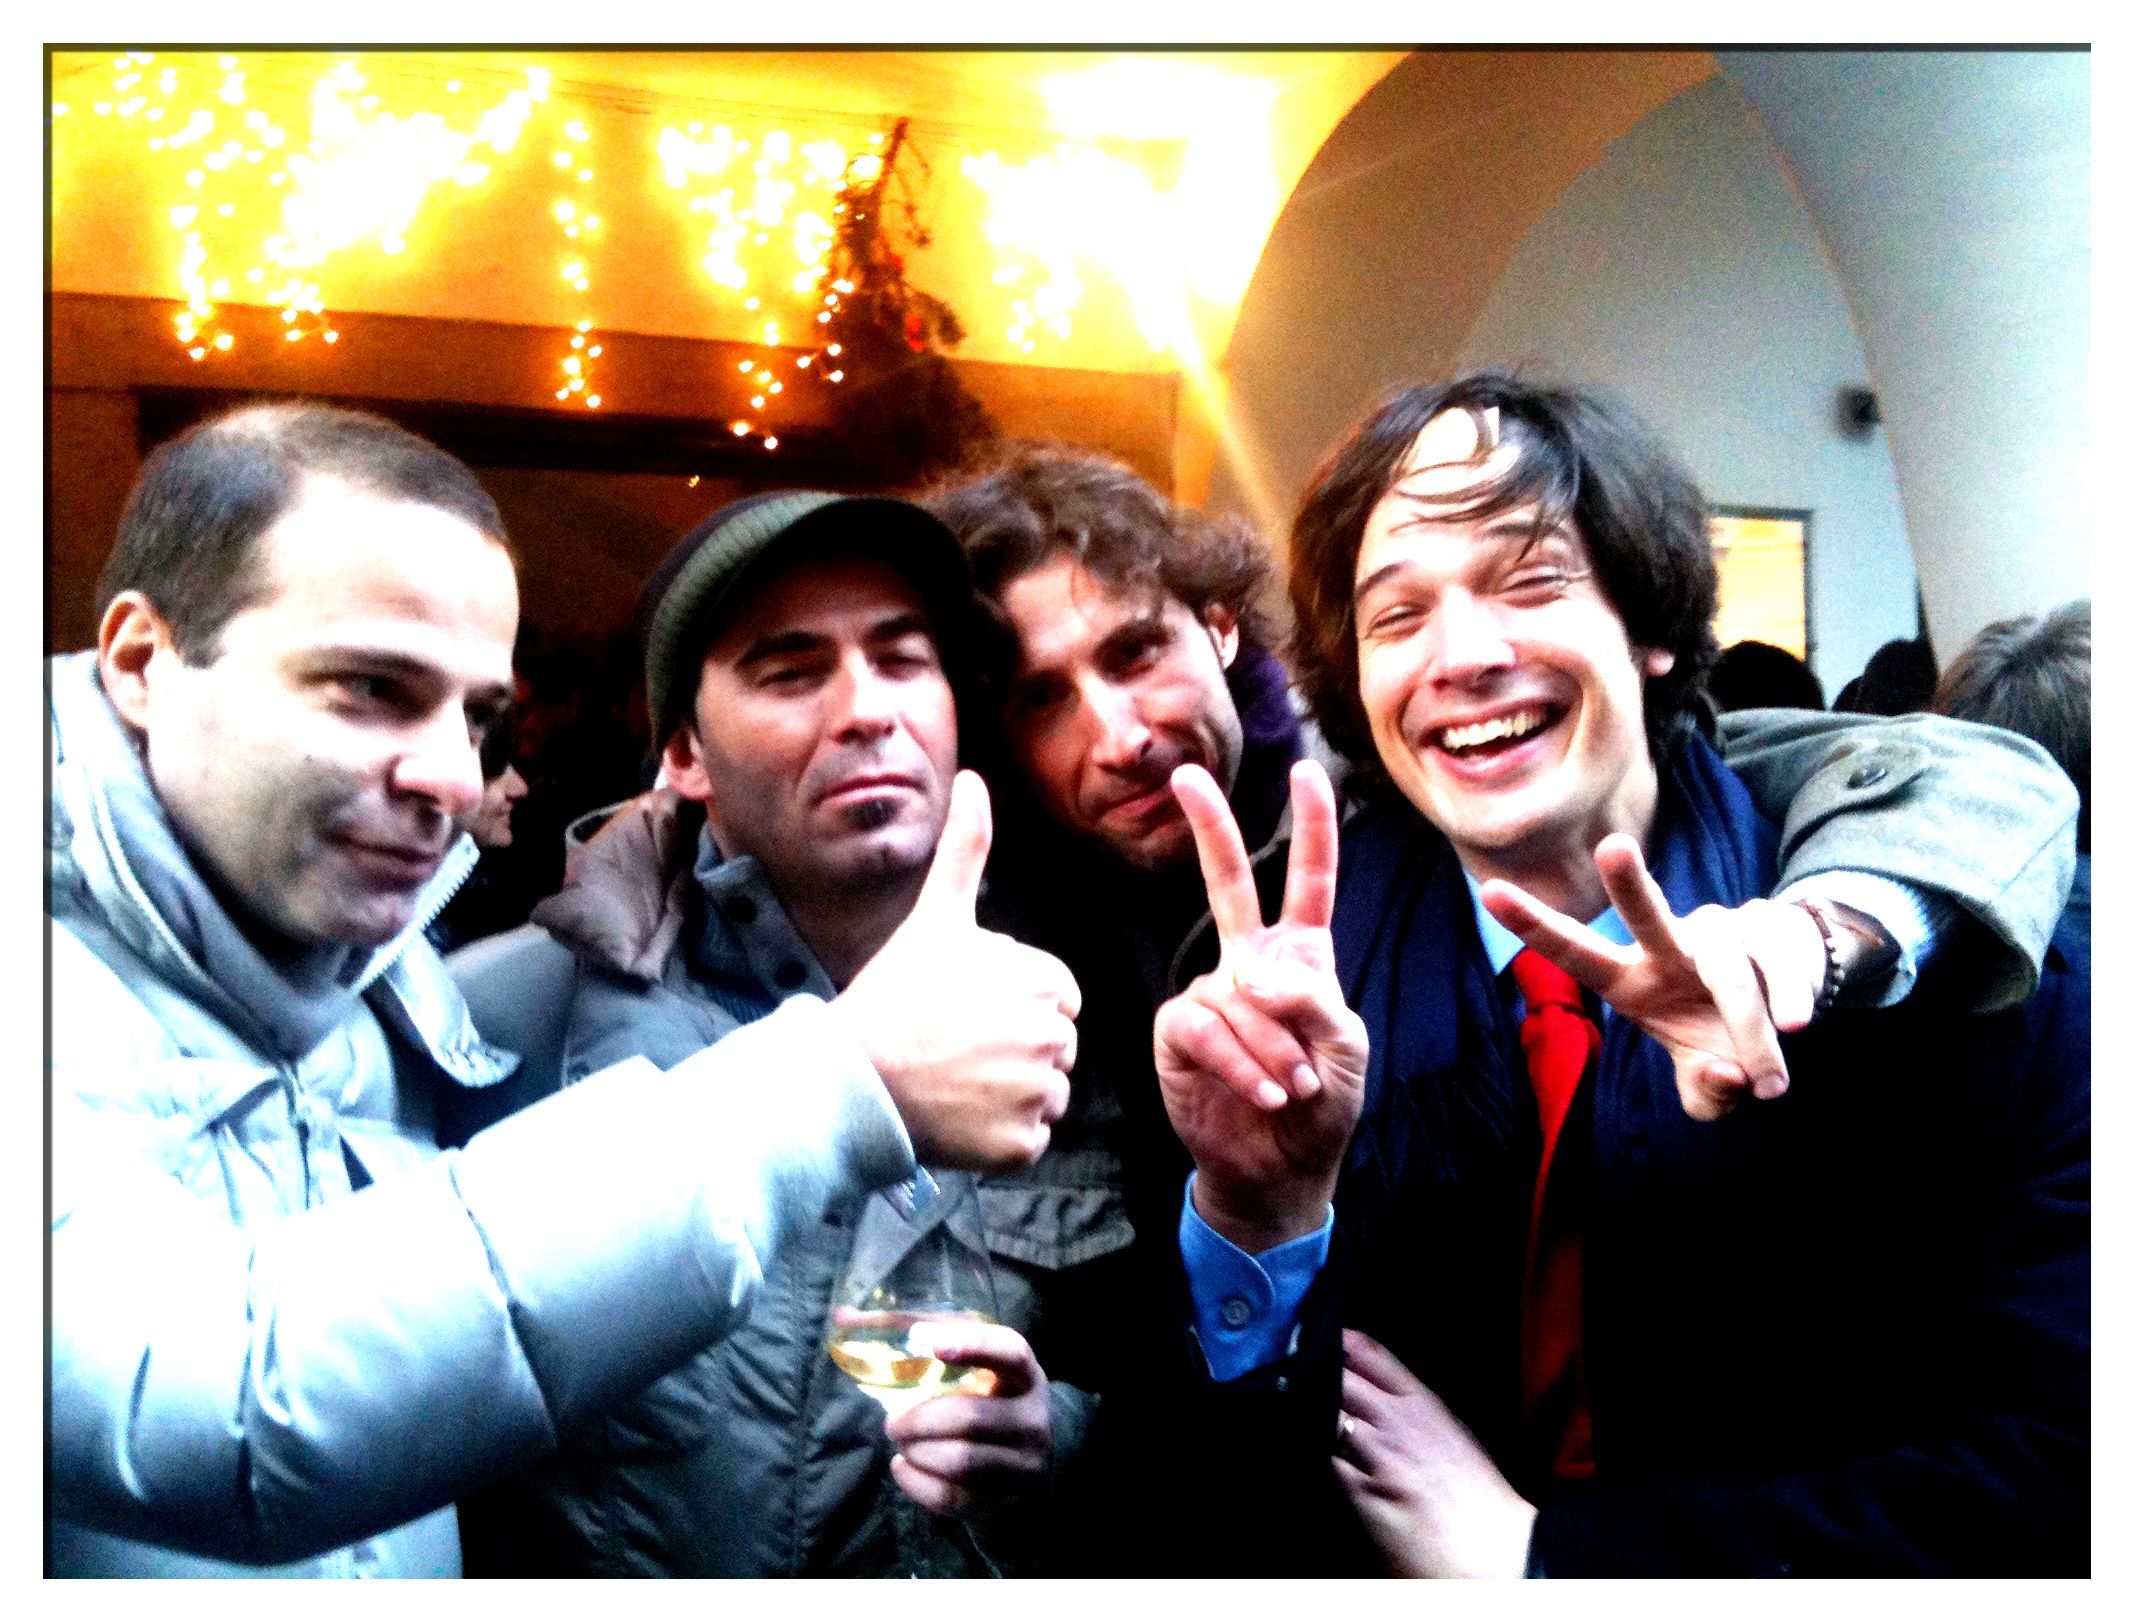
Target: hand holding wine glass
[[913, 1324]]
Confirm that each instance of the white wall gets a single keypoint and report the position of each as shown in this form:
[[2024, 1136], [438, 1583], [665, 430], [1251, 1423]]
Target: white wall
[[1953, 190], [1684, 272]]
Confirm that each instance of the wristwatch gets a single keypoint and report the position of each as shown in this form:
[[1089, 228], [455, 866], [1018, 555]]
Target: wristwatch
[[1856, 949]]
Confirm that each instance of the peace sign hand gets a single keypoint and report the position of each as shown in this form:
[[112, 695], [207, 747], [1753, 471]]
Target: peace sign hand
[[1714, 989], [1262, 1063]]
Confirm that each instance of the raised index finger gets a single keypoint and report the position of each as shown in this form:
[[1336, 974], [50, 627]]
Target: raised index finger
[[1637, 898], [1314, 848], [1224, 864]]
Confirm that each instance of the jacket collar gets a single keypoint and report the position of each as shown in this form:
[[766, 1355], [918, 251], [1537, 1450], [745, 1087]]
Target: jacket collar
[[626, 905]]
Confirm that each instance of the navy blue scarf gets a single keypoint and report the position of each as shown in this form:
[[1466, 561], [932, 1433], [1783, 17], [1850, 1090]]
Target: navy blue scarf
[[1412, 964]]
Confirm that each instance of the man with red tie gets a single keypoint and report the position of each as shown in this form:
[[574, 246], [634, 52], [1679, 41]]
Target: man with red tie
[[1572, 1272]]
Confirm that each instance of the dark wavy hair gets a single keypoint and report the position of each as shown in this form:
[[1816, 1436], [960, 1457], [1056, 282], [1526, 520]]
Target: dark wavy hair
[[1040, 500], [189, 537], [1582, 459]]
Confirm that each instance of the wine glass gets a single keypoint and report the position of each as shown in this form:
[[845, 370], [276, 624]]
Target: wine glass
[[918, 1259]]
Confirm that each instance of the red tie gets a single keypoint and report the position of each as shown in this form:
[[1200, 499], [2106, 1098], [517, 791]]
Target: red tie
[[1560, 1043]]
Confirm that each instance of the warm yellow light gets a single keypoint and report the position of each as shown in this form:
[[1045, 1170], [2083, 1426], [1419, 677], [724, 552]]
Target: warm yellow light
[[571, 365], [757, 402], [223, 341], [770, 442], [594, 351], [803, 361], [592, 399], [577, 131], [740, 428], [563, 160], [1172, 249]]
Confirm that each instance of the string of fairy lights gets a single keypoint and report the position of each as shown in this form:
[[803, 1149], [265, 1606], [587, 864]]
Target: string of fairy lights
[[265, 205], [580, 225]]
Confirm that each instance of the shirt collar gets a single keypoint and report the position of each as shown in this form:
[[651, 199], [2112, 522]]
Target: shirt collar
[[1502, 945]]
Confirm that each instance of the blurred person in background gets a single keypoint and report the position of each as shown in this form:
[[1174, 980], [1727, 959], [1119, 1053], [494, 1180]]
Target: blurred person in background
[[2032, 676], [1899, 680], [1758, 676], [484, 905]]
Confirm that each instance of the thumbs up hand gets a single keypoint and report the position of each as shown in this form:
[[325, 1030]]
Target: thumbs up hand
[[1262, 1062], [971, 1032]]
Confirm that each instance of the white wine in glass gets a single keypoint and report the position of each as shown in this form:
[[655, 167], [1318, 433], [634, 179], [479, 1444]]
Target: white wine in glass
[[918, 1264]]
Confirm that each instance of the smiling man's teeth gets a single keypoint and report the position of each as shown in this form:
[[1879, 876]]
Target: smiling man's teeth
[[1503, 726]]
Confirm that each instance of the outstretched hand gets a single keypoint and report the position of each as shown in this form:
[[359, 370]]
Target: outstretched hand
[[1262, 1063], [1714, 989]]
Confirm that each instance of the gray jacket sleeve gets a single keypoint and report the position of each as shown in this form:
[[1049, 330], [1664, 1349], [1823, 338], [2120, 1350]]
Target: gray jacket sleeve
[[1980, 816], [267, 1392]]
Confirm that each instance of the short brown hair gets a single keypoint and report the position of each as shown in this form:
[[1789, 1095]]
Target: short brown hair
[[189, 537], [2032, 676], [1041, 500], [1582, 459]]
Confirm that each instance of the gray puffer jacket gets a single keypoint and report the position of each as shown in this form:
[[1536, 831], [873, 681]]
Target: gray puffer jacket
[[758, 1457], [286, 1331]]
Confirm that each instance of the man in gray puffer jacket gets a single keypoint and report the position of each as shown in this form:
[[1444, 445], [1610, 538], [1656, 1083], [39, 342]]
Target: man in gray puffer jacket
[[805, 653], [287, 1332]]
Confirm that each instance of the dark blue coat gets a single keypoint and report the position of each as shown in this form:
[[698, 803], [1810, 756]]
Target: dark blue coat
[[1846, 1331]]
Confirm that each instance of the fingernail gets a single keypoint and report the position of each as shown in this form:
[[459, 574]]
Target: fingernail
[[1303, 1081], [1271, 1096]]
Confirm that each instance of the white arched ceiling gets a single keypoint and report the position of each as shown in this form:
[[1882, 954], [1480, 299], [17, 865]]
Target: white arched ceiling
[[1949, 189], [1396, 233], [1638, 280], [1953, 190]]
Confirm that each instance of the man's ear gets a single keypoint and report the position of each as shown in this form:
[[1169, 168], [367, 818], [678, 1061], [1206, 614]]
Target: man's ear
[[683, 762], [1222, 626], [130, 640]]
